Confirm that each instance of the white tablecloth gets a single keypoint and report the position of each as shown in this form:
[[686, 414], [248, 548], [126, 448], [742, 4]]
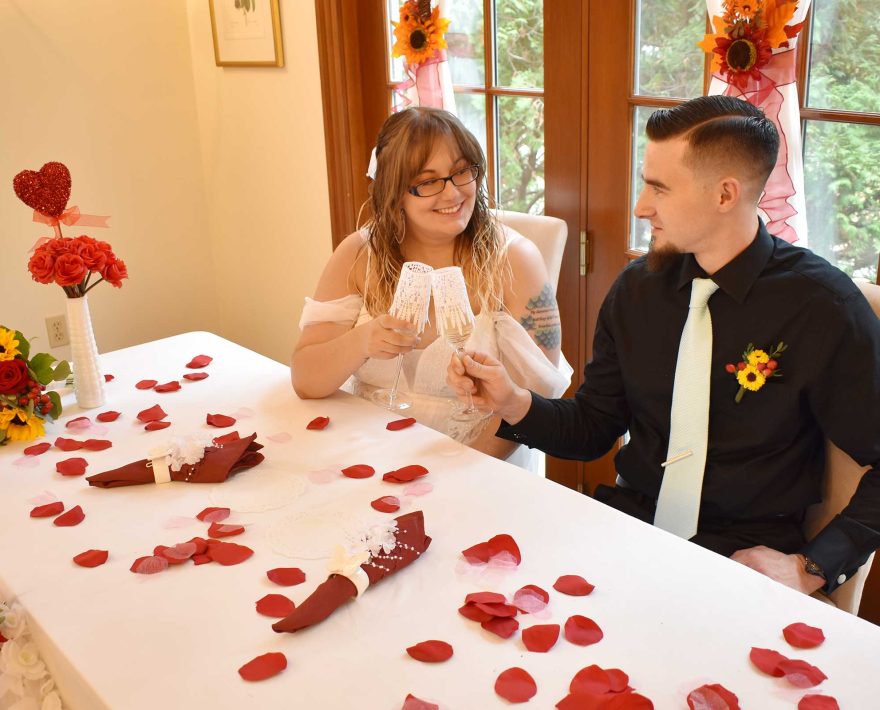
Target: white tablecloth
[[674, 616]]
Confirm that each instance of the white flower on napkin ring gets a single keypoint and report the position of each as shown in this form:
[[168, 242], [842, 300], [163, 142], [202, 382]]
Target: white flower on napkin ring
[[349, 565], [179, 451]]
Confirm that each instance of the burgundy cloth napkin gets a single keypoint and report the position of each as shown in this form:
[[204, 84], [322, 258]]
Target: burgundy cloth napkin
[[218, 464]]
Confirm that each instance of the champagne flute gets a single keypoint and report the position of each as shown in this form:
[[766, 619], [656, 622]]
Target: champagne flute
[[411, 301], [455, 321]]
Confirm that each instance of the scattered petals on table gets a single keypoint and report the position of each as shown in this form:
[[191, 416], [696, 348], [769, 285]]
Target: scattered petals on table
[[386, 504], [157, 425], [48, 510], [582, 631], [359, 470], [37, 449], [505, 627], [818, 702], [275, 605], [79, 423], [218, 530], [153, 414], [485, 598], [213, 515], [109, 416], [516, 685], [419, 488], [399, 424], [801, 635], [413, 703], [97, 444], [541, 637], [286, 576], [531, 599], [68, 444], [228, 553], [431, 651], [263, 667], [226, 438], [767, 661], [498, 546], [800, 673], [318, 423], [151, 564], [573, 585], [179, 553], [195, 376], [405, 474], [199, 361], [712, 697], [219, 420], [172, 386], [592, 680], [146, 384], [91, 558], [470, 611], [72, 517], [495, 609], [282, 437], [75, 466]]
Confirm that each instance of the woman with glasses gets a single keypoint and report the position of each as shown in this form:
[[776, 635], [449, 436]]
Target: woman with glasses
[[428, 203]]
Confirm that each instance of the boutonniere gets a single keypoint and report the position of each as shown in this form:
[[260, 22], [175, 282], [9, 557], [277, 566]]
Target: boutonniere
[[756, 367]]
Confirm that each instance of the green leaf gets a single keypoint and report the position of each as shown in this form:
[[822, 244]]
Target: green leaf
[[41, 366], [62, 371], [23, 345], [55, 398]]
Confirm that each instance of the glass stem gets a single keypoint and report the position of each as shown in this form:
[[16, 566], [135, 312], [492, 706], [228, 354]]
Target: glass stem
[[393, 394]]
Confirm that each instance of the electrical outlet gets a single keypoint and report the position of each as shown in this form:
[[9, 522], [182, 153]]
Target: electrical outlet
[[56, 327]]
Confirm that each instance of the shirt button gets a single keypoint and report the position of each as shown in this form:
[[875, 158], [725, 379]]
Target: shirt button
[[841, 579]]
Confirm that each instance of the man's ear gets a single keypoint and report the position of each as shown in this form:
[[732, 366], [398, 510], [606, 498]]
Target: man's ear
[[729, 193]]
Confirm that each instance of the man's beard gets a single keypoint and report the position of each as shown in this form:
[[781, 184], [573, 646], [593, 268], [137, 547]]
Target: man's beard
[[661, 258]]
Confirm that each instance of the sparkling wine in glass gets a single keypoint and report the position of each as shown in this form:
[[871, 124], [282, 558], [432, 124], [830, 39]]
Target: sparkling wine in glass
[[411, 301]]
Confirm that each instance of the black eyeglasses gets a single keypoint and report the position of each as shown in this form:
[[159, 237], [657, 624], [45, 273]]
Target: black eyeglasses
[[429, 188]]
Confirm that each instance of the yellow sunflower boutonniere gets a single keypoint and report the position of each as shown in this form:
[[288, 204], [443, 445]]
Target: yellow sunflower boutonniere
[[756, 367], [419, 33]]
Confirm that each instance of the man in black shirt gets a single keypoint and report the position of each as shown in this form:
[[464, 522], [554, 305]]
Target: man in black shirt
[[795, 358]]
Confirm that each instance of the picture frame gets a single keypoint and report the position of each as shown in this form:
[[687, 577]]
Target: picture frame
[[247, 33]]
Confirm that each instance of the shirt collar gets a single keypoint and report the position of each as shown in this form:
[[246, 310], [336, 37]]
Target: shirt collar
[[737, 276]]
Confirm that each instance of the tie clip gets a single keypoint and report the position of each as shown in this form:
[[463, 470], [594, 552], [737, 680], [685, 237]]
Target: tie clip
[[677, 457]]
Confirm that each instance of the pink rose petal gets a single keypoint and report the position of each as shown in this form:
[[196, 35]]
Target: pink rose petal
[[213, 515], [26, 462], [531, 599], [386, 504], [419, 488], [712, 697], [323, 475], [282, 437], [79, 423]]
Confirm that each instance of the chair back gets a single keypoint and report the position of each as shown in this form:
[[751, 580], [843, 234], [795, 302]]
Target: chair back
[[547, 233], [842, 476]]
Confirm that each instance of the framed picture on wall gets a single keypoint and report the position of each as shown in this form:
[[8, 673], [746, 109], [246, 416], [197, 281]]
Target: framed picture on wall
[[247, 33]]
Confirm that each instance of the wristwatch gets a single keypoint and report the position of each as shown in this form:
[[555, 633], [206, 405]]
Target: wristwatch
[[811, 567]]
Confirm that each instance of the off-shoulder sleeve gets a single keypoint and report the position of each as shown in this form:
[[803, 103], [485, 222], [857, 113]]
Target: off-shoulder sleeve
[[343, 311], [525, 361]]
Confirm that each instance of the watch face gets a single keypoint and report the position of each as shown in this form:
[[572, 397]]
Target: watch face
[[811, 567]]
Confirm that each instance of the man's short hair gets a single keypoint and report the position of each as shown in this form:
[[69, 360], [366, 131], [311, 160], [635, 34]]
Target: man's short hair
[[721, 130]]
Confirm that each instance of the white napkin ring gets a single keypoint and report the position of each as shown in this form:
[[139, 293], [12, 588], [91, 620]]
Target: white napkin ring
[[159, 462], [350, 567]]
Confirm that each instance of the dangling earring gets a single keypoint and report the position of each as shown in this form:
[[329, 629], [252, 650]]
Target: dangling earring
[[399, 237]]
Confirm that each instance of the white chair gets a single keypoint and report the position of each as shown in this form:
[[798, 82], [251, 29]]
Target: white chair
[[547, 233], [842, 476]]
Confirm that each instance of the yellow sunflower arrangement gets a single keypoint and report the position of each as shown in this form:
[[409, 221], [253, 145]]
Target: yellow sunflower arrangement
[[24, 403], [756, 367], [745, 36], [419, 34]]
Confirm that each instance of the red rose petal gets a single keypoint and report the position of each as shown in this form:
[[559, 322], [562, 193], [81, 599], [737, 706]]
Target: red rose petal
[[228, 553], [146, 384], [91, 558], [531, 599], [485, 598], [286, 576], [800, 673], [201, 545], [619, 679], [505, 627], [498, 545], [48, 510], [802, 636], [360, 470], [431, 651], [265, 666], [153, 414], [386, 504], [405, 474], [276, 605], [152, 564], [515, 685], [712, 697], [195, 376], [109, 378], [68, 444], [213, 515], [574, 585], [199, 361], [767, 661], [318, 423], [219, 420], [220, 530], [818, 702], [78, 423], [470, 611], [173, 558], [110, 416], [497, 609], [399, 424], [72, 467], [37, 449], [97, 444], [582, 631], [156, 426], [591, 680], [201, 559], [413, 703], [226, 438], [172, 386], [541, 637], [627, 701], [179, 553], [72, 517]]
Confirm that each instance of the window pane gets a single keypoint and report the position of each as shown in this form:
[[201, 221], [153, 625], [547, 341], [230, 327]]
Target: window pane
[[471, 109], [845, 54], [842, 176], [521, 147], [396, 65], [668, 62], [519, 37], [640, 229], [465, 41]]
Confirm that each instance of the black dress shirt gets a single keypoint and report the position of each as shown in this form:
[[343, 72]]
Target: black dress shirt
[[766, 453]]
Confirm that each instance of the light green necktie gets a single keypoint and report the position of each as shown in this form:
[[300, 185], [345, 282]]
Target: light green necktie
[[678, 505]]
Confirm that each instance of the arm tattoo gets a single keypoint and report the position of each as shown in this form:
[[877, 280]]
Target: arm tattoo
[[542, 319]]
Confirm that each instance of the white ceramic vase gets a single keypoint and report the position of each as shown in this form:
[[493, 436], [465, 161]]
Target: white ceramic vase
[[88, 382]]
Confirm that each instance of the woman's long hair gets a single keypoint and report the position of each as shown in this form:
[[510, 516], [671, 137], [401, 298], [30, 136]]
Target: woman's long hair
[[404, 146]]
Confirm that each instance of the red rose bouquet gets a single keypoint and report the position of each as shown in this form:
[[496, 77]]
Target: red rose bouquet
[[73, 263], [24, 403]]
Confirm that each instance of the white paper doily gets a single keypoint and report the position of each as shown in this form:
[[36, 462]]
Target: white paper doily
[[313, 535], [258, 489]]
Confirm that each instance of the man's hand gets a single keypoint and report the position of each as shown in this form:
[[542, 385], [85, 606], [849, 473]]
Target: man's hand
[[787, 569], [490, 386]]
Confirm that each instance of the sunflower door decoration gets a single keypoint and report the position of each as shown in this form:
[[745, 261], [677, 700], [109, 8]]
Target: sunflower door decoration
[[753, 57], [419, 36]]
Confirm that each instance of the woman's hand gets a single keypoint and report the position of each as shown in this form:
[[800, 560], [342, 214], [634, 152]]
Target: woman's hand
[[386, 337]]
